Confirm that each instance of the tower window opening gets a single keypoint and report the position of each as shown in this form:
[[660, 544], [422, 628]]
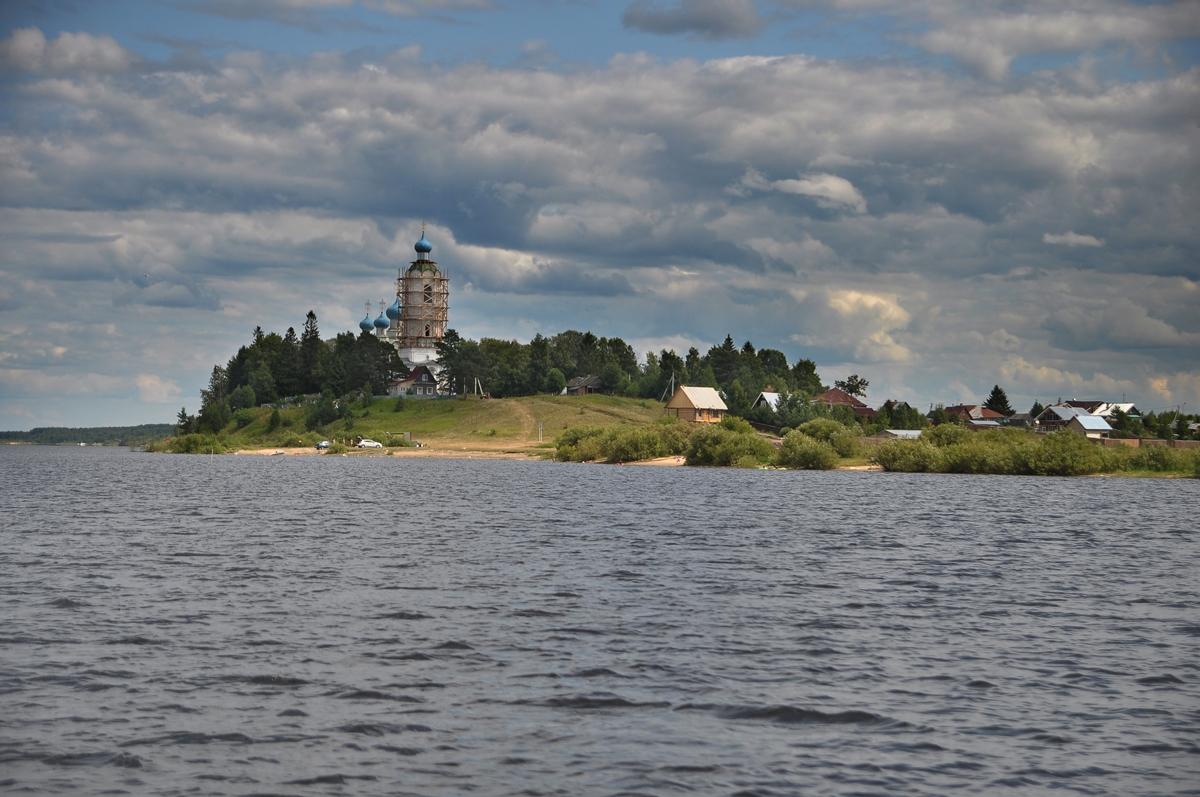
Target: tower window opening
[[427, 296], [427, 332]]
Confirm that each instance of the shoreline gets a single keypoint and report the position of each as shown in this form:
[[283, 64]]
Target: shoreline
[[476, 453], [413, 453]]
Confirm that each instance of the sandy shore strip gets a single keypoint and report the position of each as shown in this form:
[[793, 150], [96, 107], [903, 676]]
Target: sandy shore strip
[[423, 452]]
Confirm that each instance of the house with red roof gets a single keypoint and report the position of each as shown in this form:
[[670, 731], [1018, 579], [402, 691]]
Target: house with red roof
[[836, 397]]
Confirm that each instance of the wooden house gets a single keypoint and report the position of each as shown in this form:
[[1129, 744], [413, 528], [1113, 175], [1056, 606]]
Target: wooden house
[[836, 397], [697, 404], [582, 385], [419, 382]]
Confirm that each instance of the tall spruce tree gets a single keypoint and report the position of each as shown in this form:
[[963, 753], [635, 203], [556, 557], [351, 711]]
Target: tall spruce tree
[[309, 378], [997, 401]]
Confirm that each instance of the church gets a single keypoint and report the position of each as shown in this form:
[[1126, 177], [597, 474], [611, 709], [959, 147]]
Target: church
[[416, 321]]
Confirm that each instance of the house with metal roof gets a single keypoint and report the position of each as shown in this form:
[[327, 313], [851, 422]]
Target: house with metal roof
[[1091, 426], [900, 434], [697, 404]]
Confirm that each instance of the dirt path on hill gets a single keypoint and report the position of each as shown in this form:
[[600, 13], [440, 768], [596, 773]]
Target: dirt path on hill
[[528, 422]]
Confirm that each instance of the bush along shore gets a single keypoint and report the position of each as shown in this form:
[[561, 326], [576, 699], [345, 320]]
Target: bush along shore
[[824, 444], [816, 445], [953, 449]]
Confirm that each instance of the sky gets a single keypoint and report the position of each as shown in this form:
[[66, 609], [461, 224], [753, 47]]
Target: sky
[[939, 195]]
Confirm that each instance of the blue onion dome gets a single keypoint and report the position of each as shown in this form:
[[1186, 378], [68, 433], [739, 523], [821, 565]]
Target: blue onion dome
[[382, 322], [393, 312], [365, 325], [423, 246]]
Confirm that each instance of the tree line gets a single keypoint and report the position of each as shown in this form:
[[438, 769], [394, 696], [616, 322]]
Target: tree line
[[272, 368], [546, 364]]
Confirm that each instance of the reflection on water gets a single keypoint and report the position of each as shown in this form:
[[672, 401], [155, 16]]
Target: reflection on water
[[238, 625]]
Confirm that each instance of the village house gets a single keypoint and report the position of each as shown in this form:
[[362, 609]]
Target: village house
[[419, 382], [582, 385], [698, 404], [836, 397], [1091, 426], [974, 412], [1057, 416]]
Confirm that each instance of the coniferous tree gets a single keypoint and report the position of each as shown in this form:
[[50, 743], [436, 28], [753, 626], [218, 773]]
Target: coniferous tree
[[997, 401], [309, 377]]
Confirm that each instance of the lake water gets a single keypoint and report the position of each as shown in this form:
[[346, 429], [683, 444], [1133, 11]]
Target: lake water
[[198, 625]]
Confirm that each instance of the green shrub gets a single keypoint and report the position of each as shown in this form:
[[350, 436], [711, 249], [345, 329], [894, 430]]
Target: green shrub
[[978, 455], [321, 413], [845, 443], [907, 456], [196, 444], [674, 435], [243, 418], [946, 434], [275, 420], [713, 445], [807, 453], [1157, 458], [736, 424], [1063, 453], [337, 448], [631, 444], [822, 428]]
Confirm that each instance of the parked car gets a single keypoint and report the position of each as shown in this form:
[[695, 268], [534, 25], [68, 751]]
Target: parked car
[[324, 444], [368, 443]]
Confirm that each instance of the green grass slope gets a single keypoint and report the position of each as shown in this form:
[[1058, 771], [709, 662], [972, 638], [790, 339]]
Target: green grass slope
[[467, 423]]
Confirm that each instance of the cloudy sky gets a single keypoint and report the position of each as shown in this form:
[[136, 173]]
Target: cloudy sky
[[937, 194]]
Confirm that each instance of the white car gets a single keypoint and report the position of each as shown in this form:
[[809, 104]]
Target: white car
[[368, 443], [324, 444]]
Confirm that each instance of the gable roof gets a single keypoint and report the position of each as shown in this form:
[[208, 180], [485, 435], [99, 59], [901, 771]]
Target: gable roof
[[1089, 406], [590, 380], [904, 434], [1107, 410], [415, 375], [976, 412], [837, 396], [1092, 423], [700, 398], [1060, 412], [768, 398]]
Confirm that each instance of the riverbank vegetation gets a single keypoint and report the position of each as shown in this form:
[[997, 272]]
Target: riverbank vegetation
[[732, 442], [464, 423], [953, 449]]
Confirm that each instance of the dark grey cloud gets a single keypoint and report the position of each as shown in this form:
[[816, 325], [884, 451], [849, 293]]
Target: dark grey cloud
[[710, 19], [877, 217]]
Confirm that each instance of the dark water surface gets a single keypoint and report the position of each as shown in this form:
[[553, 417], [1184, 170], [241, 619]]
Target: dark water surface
[[245, 625]]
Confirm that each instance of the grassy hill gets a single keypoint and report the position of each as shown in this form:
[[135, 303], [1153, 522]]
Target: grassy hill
[[466, 423]]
